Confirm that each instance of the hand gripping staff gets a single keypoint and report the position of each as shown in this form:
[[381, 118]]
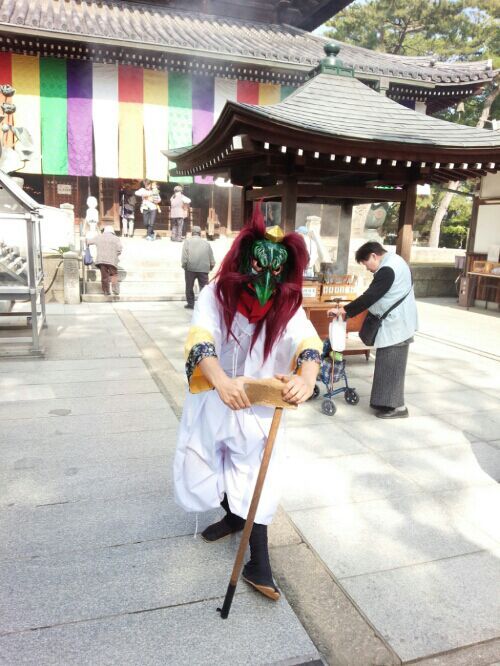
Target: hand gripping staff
[[266, 392]]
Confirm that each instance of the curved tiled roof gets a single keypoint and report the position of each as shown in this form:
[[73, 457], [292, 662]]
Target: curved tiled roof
[[417, 68], [343, 107], [143, 25]]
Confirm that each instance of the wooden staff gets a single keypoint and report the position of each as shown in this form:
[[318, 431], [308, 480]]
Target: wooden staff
[[268, 393]]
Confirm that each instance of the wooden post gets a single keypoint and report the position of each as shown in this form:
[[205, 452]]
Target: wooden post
[[344, 238], [246, 206], [229, 223], [289, 204], [405, 225]]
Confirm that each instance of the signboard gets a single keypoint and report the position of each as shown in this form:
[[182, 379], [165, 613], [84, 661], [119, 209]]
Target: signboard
[[64, 188]]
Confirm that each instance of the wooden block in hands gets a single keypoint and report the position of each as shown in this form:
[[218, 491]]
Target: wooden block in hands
[[267, 392]]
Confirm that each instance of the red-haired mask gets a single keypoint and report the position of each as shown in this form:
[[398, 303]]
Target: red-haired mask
[[266, 263]]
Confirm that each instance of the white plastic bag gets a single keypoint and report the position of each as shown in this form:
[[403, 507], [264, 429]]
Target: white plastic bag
[[337, 334]]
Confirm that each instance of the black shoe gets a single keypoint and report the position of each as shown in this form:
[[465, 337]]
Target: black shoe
[[257, 572], [222, 529], [189, 307], [394, 414], [260, 580]]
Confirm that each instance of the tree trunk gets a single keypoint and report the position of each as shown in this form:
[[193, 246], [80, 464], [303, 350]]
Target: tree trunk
[[440, 214], [446, 200]]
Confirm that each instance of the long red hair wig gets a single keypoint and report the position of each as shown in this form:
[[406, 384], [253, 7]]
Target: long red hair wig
[[231, 280]]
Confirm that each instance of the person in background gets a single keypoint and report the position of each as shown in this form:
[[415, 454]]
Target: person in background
[[109, 248], [392, 282], [197, 262], [312, 251], [179, 210], [127, 212], [149, 207]]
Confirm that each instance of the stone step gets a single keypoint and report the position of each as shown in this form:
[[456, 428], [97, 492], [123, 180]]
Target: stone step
[[100, 298], [146, 275], [140, 288]]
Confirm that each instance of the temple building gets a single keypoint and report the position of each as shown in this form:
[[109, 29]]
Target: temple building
[[103, 87]]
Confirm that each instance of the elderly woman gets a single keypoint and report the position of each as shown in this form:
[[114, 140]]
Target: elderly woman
[[179, 210], [392, 285], [109, 248]]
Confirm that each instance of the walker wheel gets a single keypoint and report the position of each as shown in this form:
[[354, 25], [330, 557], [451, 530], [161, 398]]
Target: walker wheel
[[315, 392], [351, 397], [328, 407]]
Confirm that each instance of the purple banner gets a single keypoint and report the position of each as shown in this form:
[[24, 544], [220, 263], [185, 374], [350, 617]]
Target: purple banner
[[80, 152], [203, 113]]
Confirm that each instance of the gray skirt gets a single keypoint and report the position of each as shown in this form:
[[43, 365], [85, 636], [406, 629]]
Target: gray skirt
[[388, 389]]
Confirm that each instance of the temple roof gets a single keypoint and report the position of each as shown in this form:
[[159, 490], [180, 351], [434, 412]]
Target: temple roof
[[335, 119], [342, 106], [305, 14], [150, 27]]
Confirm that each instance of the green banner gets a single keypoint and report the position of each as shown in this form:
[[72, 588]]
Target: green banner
[[286, 90], [180, 115], [53, 110]]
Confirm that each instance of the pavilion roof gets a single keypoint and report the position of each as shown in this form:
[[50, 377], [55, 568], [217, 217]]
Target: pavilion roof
[[150, 27], [342, 106], [334, 118]]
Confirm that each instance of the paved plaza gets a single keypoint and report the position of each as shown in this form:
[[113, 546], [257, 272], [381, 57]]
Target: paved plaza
[[386, 547]]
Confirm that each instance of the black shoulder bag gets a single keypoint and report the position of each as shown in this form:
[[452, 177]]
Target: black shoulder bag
[[373, 322]]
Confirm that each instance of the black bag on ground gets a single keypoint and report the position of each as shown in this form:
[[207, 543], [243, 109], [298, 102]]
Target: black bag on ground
[[372, 323]]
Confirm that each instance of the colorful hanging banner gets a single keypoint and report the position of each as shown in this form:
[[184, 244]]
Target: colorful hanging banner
[[6, 79], [247, 92], [203, 113], [26, 81], [131, 123], [54, 117], [269, 93], [105, 119], [80, 140], [114, 121], [156, 123], [224, 91], [180, 115], [286, 90], [5, 68]]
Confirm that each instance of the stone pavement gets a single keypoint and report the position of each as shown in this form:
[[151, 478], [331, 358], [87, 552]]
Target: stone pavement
[[388, 550]]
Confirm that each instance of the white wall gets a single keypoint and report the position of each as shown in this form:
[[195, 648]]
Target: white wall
[[488, 227], [490, 186], [57, 228]]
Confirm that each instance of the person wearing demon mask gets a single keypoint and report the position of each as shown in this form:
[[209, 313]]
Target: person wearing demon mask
[[248, 322]]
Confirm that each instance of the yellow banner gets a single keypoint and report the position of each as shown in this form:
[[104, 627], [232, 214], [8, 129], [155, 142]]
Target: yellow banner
[[26, 81], [131, 141], [269, 93]]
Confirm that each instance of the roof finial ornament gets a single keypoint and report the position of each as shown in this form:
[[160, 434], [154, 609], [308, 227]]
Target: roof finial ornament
[[332, 49], [332, 64]]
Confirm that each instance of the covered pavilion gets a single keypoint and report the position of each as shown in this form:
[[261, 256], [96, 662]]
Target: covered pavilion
[[335, 139]]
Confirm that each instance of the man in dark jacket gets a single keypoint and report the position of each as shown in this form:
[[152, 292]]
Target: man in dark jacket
[[197, 262]]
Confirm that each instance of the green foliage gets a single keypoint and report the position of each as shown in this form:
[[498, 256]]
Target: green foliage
[[449, 30], [453, 235], [443, 28], [456, 221], [58, 251]]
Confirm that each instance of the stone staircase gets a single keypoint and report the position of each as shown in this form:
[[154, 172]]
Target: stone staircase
[[148, 271]]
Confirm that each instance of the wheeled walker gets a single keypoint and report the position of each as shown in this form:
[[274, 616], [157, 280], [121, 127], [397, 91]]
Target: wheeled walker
[[332, 371]]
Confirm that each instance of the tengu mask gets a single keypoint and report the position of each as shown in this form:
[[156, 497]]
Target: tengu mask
[[267, 262]]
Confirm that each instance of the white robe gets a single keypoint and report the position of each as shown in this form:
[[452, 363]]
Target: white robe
[[219, 450]]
